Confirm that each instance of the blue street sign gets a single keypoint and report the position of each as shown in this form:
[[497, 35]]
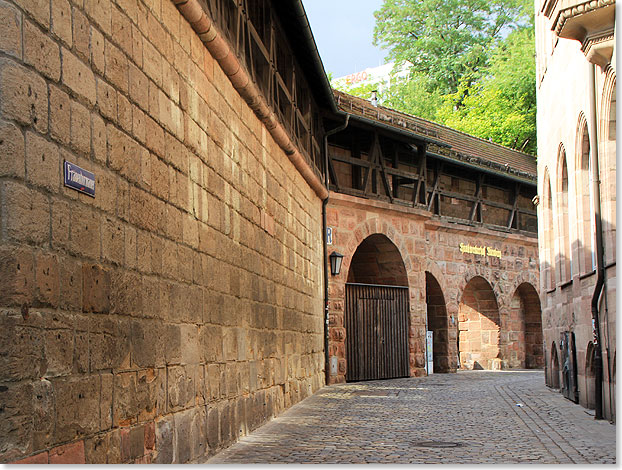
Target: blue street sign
[[79, 179]]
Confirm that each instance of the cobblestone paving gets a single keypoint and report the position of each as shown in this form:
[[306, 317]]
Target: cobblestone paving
[[468, 417]]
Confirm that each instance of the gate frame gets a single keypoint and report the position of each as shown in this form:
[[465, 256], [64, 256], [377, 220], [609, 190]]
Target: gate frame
[[402, 369]]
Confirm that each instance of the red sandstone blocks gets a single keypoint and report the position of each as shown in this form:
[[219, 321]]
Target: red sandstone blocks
[[11, 27], [37, 459], [68, 454], [23, 95], [78, 76]]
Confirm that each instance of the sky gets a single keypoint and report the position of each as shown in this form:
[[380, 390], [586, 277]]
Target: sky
[[343, 31]]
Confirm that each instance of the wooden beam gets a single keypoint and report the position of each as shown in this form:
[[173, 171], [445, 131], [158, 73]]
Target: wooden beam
[[513, 219], [435, 192], [423, 161], [476, 208]]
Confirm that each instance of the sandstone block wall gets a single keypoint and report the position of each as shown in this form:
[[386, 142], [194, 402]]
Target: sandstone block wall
[[430, 247], [180, 307], [567, 290]]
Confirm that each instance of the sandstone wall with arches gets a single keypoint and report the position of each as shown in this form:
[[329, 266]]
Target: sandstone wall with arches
[[430, 249]]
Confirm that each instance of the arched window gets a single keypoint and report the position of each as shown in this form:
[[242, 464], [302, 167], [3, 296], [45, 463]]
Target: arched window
[[548, 239], [585, 200], [564, 263], [607, 165]]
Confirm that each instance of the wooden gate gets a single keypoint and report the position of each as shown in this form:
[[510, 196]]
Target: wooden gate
[[376, 332]]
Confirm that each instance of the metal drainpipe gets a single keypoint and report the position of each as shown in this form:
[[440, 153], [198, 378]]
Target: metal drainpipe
[[325, 248], [598, 289]]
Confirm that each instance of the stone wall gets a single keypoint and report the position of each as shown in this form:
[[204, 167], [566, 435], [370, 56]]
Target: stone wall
[[179, 308], [568, 253], [430, 247]]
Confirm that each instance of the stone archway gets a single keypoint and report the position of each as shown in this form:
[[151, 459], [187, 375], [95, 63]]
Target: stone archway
[[524, 330], [438, 323], [377, 261], [479, 327], [377, 312]]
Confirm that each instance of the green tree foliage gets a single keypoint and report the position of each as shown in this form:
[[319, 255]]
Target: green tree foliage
[[473, 65], [502, 105], [446, 40], [413, 95]]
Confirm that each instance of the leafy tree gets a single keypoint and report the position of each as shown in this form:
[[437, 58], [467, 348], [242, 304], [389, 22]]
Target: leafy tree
[[413, 95], [446, 40], [502, 105]]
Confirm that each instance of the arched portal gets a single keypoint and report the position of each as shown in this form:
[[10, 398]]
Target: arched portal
[[554, 379], [438, 323], [377, 312], [479, 327], [524, 330]]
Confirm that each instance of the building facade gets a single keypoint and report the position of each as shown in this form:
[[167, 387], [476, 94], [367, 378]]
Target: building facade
[[164, 182], [173, 302], [438, 233], [576, 93]]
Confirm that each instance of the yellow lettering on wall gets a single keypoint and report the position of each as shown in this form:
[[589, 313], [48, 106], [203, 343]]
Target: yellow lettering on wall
[[480, 250]]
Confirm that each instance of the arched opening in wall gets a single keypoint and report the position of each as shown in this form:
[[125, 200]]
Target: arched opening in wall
[[438, 324], [585, 200], [377, 261], [479, 327], [564, 263], [590, 381], [376, 312], [607, 166], [554, 379], [549, 239], [524, 330]]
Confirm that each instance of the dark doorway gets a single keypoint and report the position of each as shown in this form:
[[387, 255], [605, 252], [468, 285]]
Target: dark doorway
[[438, 323], [376, 312], [377, 332]]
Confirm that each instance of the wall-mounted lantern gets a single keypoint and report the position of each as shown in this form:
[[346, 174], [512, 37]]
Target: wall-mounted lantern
[[335, 263]]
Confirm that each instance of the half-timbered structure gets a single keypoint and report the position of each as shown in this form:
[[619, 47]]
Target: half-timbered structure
[[168, 173], [438, 232]]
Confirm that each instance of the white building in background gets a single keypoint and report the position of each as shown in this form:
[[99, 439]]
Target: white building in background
[[377, 78]]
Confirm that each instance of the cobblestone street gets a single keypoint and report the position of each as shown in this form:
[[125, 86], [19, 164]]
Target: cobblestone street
[[468, 417]]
